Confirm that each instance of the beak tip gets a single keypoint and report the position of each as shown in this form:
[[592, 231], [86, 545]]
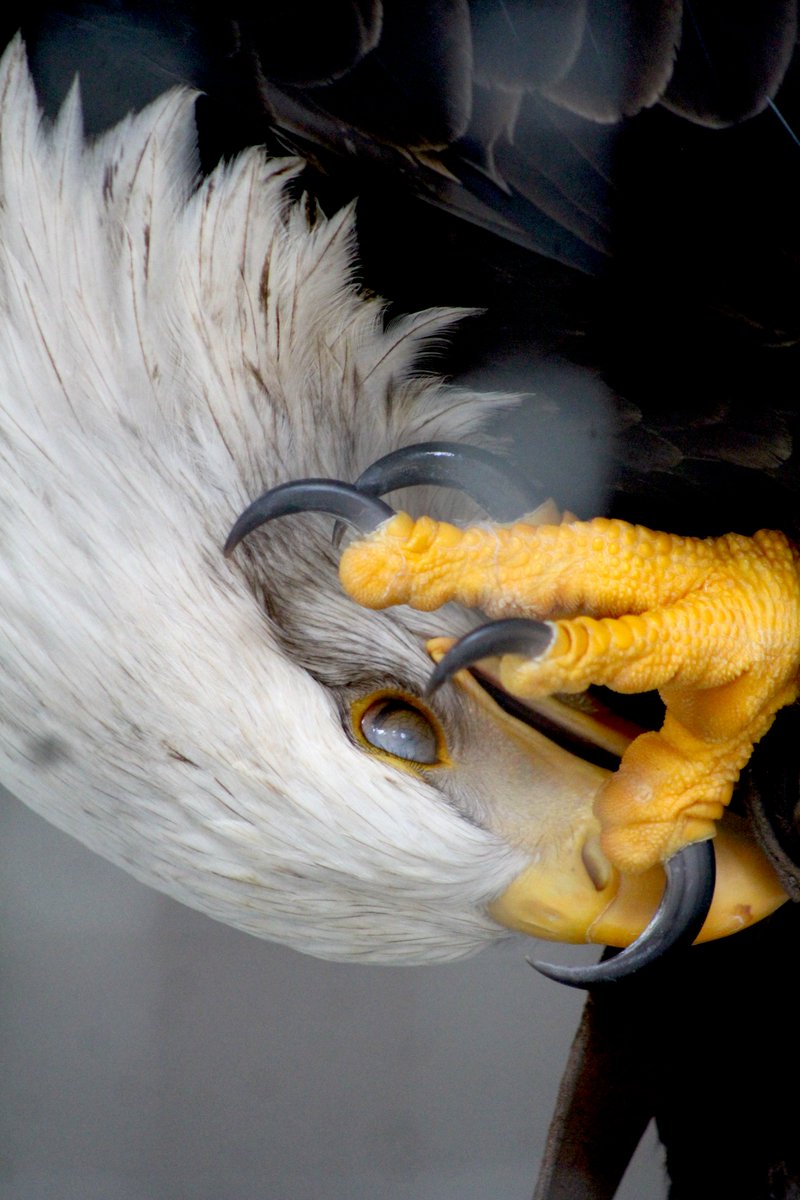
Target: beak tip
[[689, 890]]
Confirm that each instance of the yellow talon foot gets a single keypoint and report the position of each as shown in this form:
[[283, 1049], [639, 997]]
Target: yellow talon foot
[[713, 625]]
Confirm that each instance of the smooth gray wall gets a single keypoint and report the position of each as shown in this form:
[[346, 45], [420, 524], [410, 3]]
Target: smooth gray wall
[[151, 1054]]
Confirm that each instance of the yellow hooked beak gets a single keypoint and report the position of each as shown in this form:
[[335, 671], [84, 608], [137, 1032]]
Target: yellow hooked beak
[[570, 892]]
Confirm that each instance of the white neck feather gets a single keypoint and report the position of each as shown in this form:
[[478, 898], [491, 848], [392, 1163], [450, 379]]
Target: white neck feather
[[168, 349]]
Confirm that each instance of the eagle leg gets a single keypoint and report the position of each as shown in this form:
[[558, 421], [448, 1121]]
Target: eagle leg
[[713, 624], [403, 544]]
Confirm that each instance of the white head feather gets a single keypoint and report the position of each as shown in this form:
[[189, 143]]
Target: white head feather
[[168, 349]]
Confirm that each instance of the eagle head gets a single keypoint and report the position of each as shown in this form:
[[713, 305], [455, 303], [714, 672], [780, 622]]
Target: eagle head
[[236, 732]]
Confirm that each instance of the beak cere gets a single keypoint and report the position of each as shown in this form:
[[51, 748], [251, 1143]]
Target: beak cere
[[570, 892]]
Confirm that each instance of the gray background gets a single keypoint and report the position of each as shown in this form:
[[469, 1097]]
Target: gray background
[[151, 1054]]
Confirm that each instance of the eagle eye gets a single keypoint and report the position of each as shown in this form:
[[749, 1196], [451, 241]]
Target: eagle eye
[[399, 727]]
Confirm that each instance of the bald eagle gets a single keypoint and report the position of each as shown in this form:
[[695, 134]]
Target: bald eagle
[[170, 349], [235, 736], [402, 884]]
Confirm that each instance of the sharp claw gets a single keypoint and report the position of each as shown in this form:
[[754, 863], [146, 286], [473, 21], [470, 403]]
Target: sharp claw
[[690, 873], [488, 479], [516, 635], [684, 905], [311, 495], [491, 481]]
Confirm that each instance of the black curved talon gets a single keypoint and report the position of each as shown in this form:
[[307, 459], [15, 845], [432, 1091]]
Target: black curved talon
[[690, 873], [332, 496], [515, 635], [491, 481], [679, 918]]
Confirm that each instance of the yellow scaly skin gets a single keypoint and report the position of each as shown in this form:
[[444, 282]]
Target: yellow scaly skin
[[713, 624]]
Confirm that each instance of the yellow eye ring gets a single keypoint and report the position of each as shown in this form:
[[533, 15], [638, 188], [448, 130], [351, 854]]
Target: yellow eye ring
[[399, 729]]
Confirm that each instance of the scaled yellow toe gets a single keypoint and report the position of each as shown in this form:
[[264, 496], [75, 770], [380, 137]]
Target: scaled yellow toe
[[712, 624]]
